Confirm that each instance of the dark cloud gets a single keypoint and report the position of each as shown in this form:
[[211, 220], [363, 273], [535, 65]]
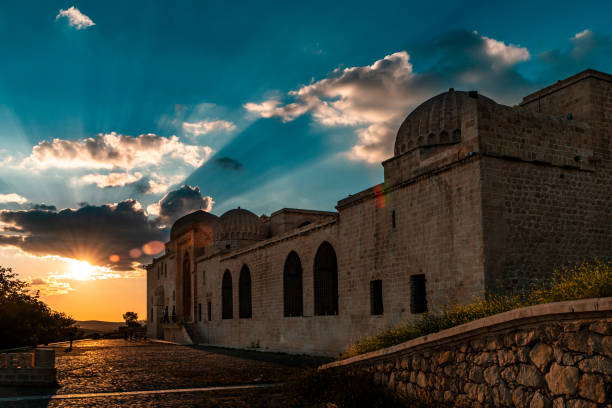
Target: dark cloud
[[43, 207], [179, 202], [228, 163], [91, 233]]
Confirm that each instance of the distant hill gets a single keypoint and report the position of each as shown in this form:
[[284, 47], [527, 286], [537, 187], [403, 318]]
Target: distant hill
[[97, 326]]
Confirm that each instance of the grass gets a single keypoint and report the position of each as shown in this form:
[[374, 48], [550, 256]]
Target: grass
[[589, 279]]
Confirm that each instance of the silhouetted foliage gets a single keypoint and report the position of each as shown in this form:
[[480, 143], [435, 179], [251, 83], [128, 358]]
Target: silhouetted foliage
[[131, 319], [24, 319]]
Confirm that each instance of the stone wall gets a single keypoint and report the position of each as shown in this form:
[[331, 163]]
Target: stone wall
[[557, 355], [31, 368]]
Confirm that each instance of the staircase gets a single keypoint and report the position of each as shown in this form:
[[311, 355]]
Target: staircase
[[193, 333]]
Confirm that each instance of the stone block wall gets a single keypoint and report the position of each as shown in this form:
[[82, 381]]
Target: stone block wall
[[557, 356], [31, 368]]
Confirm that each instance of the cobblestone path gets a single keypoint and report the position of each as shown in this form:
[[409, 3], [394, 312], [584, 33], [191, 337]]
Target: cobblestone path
[[98, 366]]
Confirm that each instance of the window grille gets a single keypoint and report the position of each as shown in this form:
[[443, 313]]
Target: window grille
[[418, 294], [326, 281], [292, 286], [376, 297], [244, 293], [227, 308]]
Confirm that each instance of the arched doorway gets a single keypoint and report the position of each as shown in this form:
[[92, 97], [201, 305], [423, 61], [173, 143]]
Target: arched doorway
[[227, 306], [326, 281], [292, 286], [186, 286], [244, 293]]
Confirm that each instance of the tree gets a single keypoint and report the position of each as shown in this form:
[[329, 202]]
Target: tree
[[131, 319], [25, 319]]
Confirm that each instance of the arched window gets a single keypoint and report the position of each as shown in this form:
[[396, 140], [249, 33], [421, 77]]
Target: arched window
[[326, 281], [292, 285], [227, 307], [186, 285], [244, 293]]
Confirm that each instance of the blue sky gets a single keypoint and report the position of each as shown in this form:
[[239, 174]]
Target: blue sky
[[108, 108]]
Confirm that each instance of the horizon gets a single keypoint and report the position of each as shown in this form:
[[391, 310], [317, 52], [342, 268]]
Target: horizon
[[117, 119]]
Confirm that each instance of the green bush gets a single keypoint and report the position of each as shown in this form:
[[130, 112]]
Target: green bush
[[590, 279]]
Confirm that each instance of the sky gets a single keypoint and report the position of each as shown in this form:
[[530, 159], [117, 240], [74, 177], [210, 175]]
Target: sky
[[117, 117]]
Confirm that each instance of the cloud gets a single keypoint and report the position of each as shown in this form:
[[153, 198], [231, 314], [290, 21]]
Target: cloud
[[375, 98], [50, 287], [228, 163], [75, 18], [43, 207], [587, 49], [91, 233], [12, 198], [115, 151], [204, 127], [506, 54], [111, 179], [180, 202]]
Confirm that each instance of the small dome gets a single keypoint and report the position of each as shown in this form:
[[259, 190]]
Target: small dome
[[241, 224], [436, 121], [188, 221]]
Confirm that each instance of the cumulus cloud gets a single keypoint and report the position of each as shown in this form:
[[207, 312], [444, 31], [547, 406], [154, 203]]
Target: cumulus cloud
[[115, 151], [587, 49], [180, 202], [506, 54], [204, 127], [12, 198], [111, 179], [50, 286], [375, 98], [75, 18], [91, 233]]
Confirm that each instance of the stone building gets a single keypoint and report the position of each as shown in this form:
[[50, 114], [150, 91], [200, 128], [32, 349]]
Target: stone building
[[477, 196]]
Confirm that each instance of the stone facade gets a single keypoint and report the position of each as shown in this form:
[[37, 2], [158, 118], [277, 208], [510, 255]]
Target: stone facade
[[557, 355], [478, 196]]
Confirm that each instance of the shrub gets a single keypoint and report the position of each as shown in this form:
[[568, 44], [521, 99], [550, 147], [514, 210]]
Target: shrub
[[25, 320], [589, 279]]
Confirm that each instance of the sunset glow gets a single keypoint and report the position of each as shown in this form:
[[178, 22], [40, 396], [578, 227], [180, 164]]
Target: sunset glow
[[118, 120], [81, 270]]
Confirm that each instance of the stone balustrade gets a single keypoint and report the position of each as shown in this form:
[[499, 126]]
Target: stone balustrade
[[547, 356], [29, 368]]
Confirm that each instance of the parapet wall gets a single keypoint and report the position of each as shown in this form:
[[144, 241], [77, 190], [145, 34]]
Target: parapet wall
[[30, 368], [555, 355]]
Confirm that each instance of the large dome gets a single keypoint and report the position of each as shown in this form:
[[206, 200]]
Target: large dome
[[240, 224], [437, 121], [186, 222]]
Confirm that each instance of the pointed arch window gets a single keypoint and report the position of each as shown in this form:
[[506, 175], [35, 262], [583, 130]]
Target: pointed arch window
[[227, 308], [326, 281], [244, 293], [292, 286]]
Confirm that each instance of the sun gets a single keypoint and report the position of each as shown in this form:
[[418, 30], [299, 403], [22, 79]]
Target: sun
[[81, 270]]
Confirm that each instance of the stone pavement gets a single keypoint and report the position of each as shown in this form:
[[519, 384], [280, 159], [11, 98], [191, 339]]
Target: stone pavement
[[101, 366]]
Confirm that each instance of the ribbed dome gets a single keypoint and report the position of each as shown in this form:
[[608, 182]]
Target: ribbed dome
[[240, 224], [436, 121], [186, 222]]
